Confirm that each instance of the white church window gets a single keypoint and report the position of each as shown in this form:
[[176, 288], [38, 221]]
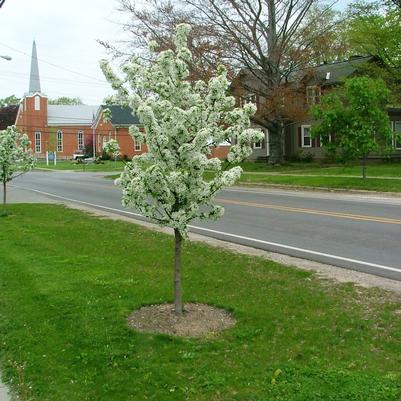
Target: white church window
[[59, 141], [80, 140], [37, 102], [38, 142]]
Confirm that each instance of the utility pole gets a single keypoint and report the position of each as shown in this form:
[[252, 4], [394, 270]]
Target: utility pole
[[93, 136]]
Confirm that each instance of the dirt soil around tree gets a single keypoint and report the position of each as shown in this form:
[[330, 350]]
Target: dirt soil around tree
[[198, 320]]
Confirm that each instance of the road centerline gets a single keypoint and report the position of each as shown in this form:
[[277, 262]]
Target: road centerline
[[375, 219]]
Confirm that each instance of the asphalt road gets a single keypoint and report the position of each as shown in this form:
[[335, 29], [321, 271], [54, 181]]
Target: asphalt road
[[360, 232]]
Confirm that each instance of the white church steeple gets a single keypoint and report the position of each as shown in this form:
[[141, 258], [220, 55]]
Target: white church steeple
[[34, 79]]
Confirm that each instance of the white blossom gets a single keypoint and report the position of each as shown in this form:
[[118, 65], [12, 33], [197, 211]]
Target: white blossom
[[112, 147], [15, 156], [176, 181]]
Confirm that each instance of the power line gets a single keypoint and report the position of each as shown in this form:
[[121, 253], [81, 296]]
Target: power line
[[95, 100], [47, 78], [52, 64]]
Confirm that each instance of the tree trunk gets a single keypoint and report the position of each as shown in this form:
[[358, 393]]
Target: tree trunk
[[4, 194], [178, 309], [275, 129], [364, 167], [275, 143]]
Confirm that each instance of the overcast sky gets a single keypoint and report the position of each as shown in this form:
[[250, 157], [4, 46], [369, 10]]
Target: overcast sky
[[65, 32]]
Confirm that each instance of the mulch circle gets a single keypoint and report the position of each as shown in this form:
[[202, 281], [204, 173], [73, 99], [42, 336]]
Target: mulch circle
[[198, 320]]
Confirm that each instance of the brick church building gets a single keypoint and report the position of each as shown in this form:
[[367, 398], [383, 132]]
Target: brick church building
[[72, 129]]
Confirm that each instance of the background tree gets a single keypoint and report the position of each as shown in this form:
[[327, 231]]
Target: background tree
[[66, 100], [353, 122], [157, 21], [15, 158], [324, 33], [270, 39], [9, 101], [181, 121], [376, 30]]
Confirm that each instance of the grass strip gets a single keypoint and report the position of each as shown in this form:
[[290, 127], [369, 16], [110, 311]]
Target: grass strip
[[370, 184], [69, 280]]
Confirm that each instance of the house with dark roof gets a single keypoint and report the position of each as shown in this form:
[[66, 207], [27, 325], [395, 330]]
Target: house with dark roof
[[311, 84], [321, 80]]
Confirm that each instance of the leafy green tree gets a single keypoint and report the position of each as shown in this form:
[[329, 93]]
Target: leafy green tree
[[353, 122], [376, 30], [9, 100], [66, 100]]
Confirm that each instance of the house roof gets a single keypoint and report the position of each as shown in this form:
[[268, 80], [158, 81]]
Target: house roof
[[326, 74], [334, 73], [394, 111], [8, 115], [121, 115], [71, 114]]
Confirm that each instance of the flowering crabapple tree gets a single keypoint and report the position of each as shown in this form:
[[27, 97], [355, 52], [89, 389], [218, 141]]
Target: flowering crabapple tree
[[15, 157], [181, 121], [112, 148]]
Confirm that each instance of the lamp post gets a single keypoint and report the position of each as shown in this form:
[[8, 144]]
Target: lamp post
[[8, 58]]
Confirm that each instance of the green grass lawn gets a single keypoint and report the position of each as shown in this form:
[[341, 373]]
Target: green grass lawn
[[68, 281], [321, 176], [108, 165], [370, 184], [374, 169]]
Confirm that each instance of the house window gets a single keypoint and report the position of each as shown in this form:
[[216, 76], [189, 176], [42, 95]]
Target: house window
[[312, 94], [37, 102], [257, 145], [38, 142], [59, 141], [249, 98], [397, 131], [306, 138], [80, 140], [138, 146]]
